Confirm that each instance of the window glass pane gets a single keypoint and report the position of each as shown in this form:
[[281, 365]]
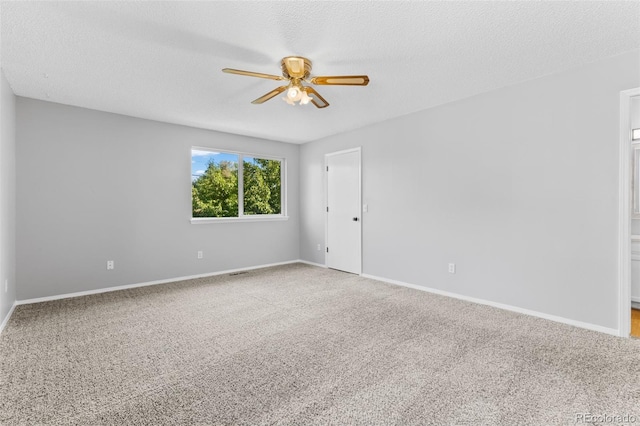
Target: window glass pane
[[214, 184], [262, 186]]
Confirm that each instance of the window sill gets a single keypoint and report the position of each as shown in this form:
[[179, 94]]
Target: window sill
[[256, 218]]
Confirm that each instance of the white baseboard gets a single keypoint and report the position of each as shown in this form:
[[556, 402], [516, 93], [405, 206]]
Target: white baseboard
[[635, 299], [6, 319], [145, 284], [562, 320], [312, 263]]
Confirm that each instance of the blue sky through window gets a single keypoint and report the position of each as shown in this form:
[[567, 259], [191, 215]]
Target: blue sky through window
[[200, 161]]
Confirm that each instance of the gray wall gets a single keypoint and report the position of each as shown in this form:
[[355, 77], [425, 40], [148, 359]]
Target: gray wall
[[518, 187], [94, 186], [7, 197]]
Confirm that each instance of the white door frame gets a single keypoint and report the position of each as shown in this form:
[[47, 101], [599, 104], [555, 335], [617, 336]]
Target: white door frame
[[326, 199], [624, 215]]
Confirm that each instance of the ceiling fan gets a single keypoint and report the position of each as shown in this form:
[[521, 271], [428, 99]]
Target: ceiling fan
[[296, 70]]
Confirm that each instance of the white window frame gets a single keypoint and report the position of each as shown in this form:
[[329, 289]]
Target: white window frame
[[241, 216]]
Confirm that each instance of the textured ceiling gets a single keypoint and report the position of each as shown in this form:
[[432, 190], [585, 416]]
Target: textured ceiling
[[162, 60]]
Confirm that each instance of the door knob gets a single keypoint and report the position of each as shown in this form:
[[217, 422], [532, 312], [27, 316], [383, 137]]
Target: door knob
[[355, 219]]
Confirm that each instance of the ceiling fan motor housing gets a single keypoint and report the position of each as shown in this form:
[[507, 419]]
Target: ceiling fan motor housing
[[295, 67]]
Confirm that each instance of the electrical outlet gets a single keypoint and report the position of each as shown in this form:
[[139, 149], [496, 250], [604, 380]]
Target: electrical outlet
[[319, 247], [110, 264], [200, 254], [452, 268]]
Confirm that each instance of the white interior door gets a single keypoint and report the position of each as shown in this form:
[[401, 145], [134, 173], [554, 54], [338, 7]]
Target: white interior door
[[344, 230]]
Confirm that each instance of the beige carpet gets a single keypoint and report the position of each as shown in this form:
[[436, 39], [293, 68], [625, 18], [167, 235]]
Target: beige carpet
[[303, 345]]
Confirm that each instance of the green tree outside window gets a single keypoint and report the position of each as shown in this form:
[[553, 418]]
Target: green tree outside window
[[215, 190]]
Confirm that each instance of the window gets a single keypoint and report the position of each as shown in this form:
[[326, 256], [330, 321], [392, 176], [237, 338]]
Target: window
[[220, 188]]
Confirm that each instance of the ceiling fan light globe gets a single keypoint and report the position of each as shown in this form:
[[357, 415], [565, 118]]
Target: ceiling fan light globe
[[305, 99], [293, 93]]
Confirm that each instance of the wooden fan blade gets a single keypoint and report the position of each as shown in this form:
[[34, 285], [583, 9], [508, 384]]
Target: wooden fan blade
[[270, 95], [316, 99], [341, 80], [253, 74]]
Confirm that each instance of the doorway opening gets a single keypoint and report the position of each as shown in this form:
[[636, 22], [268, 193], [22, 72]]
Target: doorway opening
[[629, 212]]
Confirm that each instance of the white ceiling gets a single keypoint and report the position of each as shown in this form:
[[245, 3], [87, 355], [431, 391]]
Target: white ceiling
[[162, 60]]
